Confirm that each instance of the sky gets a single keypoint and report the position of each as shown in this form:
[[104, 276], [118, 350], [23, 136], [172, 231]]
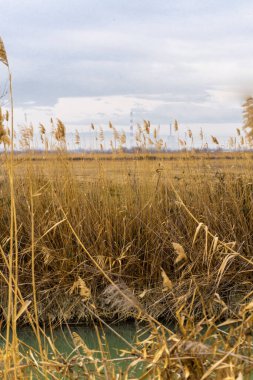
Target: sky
[[97, 60]]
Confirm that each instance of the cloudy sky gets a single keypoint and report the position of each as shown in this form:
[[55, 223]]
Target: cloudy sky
[[96, 60]]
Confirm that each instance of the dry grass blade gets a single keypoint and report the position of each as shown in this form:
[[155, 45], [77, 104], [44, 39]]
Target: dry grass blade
[[22, 309], [247, 308], [216, 365], [142, 294], [224, 265], [197, 232]]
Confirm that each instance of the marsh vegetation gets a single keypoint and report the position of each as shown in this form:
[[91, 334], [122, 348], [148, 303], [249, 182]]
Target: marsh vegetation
[[153, 237]]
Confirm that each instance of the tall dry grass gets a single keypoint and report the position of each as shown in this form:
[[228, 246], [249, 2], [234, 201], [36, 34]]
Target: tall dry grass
[[129, 220], [155, 238]]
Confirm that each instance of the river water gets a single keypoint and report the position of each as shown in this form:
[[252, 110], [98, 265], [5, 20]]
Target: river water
[[62, 338]]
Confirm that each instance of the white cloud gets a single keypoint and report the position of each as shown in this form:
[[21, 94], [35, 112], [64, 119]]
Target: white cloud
[[80, 112], [102, 109]]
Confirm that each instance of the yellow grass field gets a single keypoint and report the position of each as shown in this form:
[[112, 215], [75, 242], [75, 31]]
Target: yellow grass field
[[155, 238]]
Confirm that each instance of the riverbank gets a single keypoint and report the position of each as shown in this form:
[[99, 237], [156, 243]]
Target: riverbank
[[136, 224]]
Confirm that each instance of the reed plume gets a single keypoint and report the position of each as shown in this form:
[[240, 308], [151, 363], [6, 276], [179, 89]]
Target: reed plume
[[77, 137], [3, 54], [248, 119], [60, 133], [215, 140], [42, 132], [4, 137], [176, 127]]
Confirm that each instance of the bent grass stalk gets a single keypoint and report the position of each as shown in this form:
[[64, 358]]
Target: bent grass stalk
[[11, 314], [33, 278]]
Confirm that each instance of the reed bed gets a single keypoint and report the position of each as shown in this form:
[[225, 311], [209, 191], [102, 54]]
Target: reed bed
[[154, 241], [128, 219], [157, 238]]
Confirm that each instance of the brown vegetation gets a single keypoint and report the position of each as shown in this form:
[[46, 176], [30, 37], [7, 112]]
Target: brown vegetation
[[101, 241]]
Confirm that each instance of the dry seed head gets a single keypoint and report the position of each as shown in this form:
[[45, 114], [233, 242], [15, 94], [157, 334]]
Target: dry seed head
[[230, 142], [194, 348], [214, 140], [4, 138], [1, 122], [42, 132], [3, 55], [26, 137], [123, 138], [176, 126], [159, 144], [155, 133], [138, 137], [85, 292], [181, 255], [115, 134], [60, 133], [80, 286], [182, 142], [79, 343], [77, 138], [167, 283], [46, 143], [42, 129], [52, 126], [248, 118], [113, 298], [190, 133], [147, 126], [101, 134]]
